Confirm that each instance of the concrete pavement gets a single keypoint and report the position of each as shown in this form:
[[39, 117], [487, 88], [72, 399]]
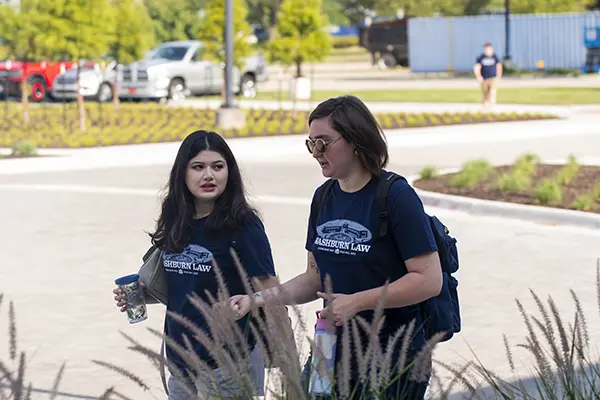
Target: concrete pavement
[[390, 81], [70, 225]]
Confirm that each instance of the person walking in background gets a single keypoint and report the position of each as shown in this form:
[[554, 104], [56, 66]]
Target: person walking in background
[[488, 69]]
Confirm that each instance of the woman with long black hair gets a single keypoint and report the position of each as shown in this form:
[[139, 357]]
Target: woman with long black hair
[[204, 214]]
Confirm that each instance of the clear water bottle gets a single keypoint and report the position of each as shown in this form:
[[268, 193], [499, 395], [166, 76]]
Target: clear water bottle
[[322, 369], [134, 297]]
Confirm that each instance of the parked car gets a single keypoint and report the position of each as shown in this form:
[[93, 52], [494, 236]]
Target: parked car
[[94, 83], [40, 76], [178, 69]]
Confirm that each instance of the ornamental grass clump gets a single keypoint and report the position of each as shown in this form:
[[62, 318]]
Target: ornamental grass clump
[[566, 364]]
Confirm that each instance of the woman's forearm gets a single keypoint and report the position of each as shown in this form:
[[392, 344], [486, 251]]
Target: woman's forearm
[[299, 290]]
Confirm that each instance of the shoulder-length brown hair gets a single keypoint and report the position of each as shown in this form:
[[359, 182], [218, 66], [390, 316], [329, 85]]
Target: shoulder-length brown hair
[[349, 116]]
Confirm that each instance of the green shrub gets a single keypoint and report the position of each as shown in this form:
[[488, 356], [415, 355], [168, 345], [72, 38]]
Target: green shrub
[[273, 127], [527, 163], [433, 120], [23, 148], [472, 173], [413, 121], [548, 191], [514, 181], [385, 121], [596, 191], [564, 357], [448, 119], [569, 171], [428, 172], [584, 202], [480, 166]]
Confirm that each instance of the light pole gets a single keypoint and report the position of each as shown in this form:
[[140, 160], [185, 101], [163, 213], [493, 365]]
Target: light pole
[[507, 57], [228, 52], [229, 116]]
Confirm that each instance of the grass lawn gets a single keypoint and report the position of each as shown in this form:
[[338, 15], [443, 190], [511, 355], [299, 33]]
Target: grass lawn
[[550, 96], [348, 54]]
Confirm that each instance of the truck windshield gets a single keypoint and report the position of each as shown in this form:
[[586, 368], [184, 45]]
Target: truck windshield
[[170, 53]]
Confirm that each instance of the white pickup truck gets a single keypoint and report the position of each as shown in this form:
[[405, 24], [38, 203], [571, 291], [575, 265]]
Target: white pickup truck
[[178, 69]]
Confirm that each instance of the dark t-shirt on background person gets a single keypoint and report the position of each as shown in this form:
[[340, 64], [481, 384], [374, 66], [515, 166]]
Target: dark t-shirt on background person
[[488, 65]]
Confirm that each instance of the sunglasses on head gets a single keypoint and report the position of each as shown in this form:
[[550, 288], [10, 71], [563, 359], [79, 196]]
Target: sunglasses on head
[[318, 145]]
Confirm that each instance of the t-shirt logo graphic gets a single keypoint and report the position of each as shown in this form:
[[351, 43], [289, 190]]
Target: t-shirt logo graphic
[[342, 236], [488, 61], [192, 260]]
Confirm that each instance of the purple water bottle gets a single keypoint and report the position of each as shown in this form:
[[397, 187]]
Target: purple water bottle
[[322, 369]]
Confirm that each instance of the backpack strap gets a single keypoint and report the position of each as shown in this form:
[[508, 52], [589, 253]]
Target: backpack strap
[[386, 180], [319, 199]]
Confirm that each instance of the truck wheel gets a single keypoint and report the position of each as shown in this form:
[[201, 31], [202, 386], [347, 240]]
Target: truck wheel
[[38, 89], [387, 60], [176, 90], [248, 86], [105, 93]]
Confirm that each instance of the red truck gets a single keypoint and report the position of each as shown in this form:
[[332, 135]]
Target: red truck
[[40, 75]]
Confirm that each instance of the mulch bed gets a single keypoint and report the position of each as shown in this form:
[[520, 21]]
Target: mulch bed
[[585, 181]]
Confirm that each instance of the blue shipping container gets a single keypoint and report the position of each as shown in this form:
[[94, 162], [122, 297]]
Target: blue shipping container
[[440, 44]]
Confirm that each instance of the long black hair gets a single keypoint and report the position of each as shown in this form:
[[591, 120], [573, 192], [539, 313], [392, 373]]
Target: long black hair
[[231, 208]]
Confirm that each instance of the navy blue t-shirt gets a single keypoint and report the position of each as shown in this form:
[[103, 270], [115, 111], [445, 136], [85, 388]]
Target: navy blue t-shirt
[[344, 247], [488, 65], [191, 271]]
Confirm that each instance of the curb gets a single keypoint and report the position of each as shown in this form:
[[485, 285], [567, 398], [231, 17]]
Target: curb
[[538, 214]]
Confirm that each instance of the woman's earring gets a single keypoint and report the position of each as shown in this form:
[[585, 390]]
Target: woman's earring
[[355, 152]]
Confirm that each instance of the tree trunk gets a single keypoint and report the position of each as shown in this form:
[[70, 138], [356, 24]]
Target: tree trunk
[[298, 68], [116, 88], [82, 124], [273, 18], [24, 100]]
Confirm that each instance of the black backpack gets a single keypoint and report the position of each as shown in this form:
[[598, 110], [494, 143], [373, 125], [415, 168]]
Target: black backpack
[[440, 313]]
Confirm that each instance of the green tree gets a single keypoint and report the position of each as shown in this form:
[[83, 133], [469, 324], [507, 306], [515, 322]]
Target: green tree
[[212, 32], [80, 30], [555, 6], [175, 19], [134, 35], [23, 40], [263, 12], [335, 12], [356, 9], [300, 35]]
